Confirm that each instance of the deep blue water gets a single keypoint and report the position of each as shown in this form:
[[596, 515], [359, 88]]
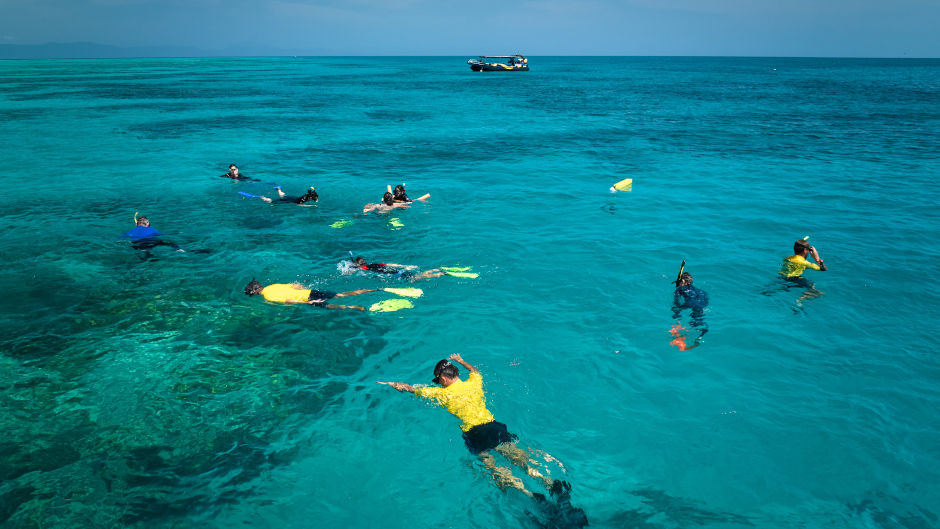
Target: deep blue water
[[154, 393]]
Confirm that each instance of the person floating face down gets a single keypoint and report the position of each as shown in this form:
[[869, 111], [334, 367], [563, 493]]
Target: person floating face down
[[395, 269], [296, 293], [388, 203], [481, 433], [687, 296], [303, 200], [144, 238]]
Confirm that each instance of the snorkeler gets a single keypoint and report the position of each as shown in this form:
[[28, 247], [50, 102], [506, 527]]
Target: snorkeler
[[310, 196], [399, 194], [235, 175], [687, 296], [388, 203], [397, 270], [481, 433], [793, 267], [296, 293], [144, 238]]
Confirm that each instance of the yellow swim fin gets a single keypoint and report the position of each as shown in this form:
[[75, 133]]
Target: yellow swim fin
[[409, 292], [471, 275], [391, 305]]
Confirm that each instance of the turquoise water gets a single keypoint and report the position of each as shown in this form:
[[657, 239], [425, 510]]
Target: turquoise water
[[153, 393]]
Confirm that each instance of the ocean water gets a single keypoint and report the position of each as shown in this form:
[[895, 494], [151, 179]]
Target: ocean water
[[153, 393]]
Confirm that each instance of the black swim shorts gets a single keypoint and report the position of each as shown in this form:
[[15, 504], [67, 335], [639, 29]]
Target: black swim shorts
[[799, 281], [320, 294], [485, 436]]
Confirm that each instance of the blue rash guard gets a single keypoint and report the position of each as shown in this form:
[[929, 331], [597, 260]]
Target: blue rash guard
[[692, 297], [689, 297], [142, 232]]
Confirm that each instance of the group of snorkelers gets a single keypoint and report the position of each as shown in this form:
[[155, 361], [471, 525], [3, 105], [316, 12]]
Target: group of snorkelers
[[393, 198], [687, 296], [465, 399]]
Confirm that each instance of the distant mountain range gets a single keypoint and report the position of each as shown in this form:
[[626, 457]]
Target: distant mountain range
[[91, 50]]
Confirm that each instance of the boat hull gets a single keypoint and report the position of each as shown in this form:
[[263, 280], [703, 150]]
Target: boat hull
[[497, 67]]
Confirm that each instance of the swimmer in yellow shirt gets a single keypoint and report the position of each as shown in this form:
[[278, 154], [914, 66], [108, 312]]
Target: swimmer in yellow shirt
[[793, 267], [465, 399], [296, 293]]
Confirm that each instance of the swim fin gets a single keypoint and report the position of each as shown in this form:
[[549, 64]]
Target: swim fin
[[408, 292], [391, 305], [469, 275]]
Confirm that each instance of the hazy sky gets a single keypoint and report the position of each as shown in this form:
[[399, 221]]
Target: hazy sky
[[842, 28]]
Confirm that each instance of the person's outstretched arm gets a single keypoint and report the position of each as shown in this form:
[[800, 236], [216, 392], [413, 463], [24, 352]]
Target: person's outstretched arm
[[815, 254], [457, 358], [400, 386]]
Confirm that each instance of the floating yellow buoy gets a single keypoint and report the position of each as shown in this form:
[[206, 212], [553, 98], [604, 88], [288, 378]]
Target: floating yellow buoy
[[623, 185]]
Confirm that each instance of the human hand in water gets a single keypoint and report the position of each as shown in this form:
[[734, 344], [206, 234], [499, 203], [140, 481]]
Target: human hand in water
[[400, 386]]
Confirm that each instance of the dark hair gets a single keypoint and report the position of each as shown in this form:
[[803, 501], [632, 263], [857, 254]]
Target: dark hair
[[359, 260], [400, 194], [800, 245], [309, 195], [388, 198], [142, 219], [232, 165], [445, 368], [687, 276], [253, 288]]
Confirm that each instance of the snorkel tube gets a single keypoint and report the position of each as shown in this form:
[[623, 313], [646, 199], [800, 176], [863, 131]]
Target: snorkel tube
[[681, 268], [135, 217]]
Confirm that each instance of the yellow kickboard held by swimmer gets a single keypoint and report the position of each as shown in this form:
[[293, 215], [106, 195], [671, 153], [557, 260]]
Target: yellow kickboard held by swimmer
[[623, 185]]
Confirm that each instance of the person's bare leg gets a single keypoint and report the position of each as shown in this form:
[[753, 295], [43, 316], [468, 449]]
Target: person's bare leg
[[502, 475], [521, 458], [427, 274], [355, 292], [351, 307]]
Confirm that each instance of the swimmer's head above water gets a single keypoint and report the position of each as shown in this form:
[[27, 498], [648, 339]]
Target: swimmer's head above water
[[684, 279], [388, 199], [311, 194], [399, 193], [801, 246], [143, 221], [253, 288], [445, 373]]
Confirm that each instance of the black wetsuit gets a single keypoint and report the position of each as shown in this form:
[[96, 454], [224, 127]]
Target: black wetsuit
[[690, 297], [238, 177], [310, 196], [383, 268]]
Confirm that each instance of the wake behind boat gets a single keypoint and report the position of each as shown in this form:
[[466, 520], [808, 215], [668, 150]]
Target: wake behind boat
[[512, 63]]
